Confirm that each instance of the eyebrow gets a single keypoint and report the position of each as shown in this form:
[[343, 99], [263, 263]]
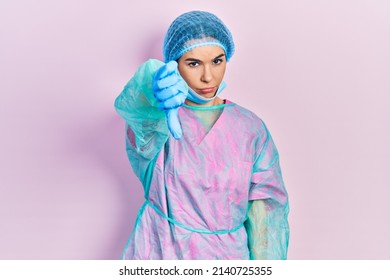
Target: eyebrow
[[198, 60]]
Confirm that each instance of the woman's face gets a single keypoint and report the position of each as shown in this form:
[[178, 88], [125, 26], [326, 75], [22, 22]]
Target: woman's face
[[203, 69]]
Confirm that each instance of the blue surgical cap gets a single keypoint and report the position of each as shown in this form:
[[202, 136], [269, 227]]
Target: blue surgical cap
[[195, 29]]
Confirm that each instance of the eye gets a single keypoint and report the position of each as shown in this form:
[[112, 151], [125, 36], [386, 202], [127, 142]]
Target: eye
[[217, 61], [193, 64]]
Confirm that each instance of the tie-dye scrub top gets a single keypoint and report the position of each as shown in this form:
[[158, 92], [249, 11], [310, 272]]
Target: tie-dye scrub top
[[197, 189]]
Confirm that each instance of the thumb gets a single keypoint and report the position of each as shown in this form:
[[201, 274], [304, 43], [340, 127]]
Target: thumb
[[174, 125]]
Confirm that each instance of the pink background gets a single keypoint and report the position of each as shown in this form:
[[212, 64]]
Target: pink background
[[317, 72]]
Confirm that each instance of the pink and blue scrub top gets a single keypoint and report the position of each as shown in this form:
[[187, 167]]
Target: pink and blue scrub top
[[198, 190]]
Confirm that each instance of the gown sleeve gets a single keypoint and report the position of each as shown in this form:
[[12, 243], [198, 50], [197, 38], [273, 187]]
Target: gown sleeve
[[267, 225], [146, 126]]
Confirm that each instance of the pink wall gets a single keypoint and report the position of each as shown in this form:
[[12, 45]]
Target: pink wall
[[317, 72]]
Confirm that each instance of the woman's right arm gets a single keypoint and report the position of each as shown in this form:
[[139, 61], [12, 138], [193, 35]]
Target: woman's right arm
[[146, 125]]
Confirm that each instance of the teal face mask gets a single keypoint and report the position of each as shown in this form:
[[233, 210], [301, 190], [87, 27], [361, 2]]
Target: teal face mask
[[194, 97]]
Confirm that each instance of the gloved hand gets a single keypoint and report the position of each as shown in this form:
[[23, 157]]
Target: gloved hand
[[171, 91]]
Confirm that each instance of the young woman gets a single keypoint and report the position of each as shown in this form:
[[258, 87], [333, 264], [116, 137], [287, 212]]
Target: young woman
[[209, 168]]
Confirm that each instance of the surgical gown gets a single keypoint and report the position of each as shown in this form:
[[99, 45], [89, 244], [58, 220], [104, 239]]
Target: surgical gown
[[198, 190]]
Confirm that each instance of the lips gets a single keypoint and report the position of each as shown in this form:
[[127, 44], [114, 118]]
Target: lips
[[206, 90]]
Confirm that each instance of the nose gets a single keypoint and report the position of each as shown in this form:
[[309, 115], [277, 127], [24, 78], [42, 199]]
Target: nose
[[207, 76]]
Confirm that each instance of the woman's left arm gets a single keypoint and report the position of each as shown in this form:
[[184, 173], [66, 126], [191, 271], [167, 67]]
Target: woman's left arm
[[267, 225]]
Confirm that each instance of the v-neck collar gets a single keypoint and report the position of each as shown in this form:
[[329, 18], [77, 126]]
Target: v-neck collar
[[198, 127]]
